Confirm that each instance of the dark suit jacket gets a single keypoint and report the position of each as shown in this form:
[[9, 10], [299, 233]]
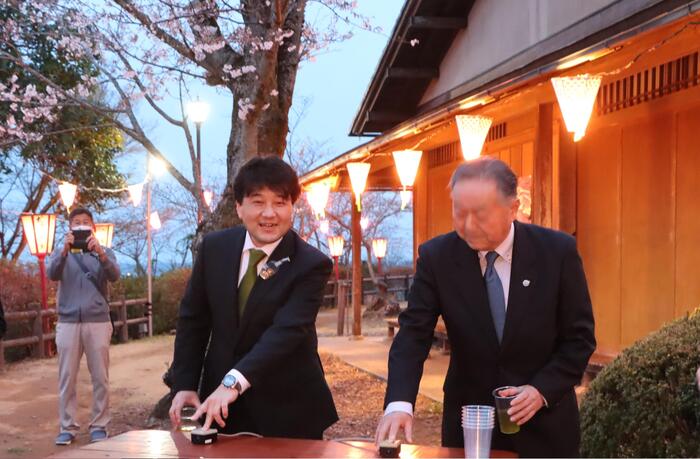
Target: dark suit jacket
[[547, 340], [274, 345]]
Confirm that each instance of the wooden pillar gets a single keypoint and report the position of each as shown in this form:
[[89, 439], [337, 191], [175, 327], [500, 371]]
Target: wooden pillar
[[356, 237], [124, 330], [566, 174], [542, 171]]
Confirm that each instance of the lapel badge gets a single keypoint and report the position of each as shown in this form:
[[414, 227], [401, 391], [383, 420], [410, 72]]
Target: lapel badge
[[526, 283], [271, 268]]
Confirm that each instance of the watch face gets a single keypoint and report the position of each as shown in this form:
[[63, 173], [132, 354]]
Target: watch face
[[229, 381]]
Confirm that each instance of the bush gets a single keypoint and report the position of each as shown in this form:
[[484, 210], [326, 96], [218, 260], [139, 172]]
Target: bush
[[168, 290], [646, 402]]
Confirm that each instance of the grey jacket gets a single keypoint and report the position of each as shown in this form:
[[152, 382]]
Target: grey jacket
[[78, 299]]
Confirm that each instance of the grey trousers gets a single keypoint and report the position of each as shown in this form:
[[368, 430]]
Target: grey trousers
[[72, 340]]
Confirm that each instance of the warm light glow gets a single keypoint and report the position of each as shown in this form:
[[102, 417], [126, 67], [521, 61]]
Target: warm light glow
[[208, 198], [576, 96], [155, 221], [135, 193], [358, 179], [472, 134], [156, 166], [104, 233], [379, 247], [39, 232], [407, 162], [324, 226], [364, 223], [67, 191], [198, 111], [317, 196], [335, 245]]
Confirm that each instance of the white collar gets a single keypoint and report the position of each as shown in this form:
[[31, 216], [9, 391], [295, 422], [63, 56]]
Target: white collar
[[267, 248], [505, 248]]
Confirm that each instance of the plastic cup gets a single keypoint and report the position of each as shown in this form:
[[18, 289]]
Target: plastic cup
[[186, 422], [502, 405], [477, 426]]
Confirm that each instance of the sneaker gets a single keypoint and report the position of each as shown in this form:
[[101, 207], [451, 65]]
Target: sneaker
[[64, 438], [98, 435]]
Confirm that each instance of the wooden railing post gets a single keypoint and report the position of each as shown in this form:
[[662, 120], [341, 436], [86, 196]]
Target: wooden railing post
[[341, 299], [38, 330], [124, 331]]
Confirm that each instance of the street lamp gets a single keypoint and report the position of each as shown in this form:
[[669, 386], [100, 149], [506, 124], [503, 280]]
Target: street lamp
[[104, 233], [39, 232], [198, 111], [156, 167], [379, 249], [335, 246]]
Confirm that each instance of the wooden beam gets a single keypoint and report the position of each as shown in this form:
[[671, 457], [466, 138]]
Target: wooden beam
[[356, 240], [418, 73], [567, 179], [438, 22], [542, 170]]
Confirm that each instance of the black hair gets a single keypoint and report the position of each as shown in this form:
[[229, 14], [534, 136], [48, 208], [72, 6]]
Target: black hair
[[79, 211], [266, 172], [488, 168]]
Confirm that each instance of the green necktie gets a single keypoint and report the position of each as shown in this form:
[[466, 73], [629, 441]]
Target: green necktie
[[246, 285]]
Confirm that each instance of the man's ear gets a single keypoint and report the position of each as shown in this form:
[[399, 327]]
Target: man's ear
[[238, 210]]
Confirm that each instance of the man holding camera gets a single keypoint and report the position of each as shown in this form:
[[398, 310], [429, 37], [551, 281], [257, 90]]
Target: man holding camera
[[82, 268]]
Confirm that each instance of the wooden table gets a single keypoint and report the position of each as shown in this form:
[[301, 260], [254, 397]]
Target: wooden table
[[163, 444]]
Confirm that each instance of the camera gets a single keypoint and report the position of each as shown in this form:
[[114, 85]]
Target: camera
[[80, 236]]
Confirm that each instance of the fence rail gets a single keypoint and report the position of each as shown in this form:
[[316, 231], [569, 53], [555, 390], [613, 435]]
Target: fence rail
[[397, 284], [39, 338]]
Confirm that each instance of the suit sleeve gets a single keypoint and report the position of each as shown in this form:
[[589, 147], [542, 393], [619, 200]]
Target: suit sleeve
[[294, 321], [193, 329], [575, 332], [415, 336]]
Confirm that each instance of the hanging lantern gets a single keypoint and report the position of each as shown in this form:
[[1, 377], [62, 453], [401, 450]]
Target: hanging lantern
[[576, 96], [135, 193], [472, 134], [336, 245], [104, 233], [39, 231], [67, 191], [364, 223], [208, 198], [358, 179], [407, 162], [324, 226], [155, 221], [379, 247], [317, 197]]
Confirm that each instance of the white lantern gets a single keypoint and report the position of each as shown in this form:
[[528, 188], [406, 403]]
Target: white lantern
[[104, 233], [324, 226], [136, 193], [155, 221], [208, 198], [364, 223], [473, 130], [317, 197], [67, 191], [358, 179], [407, 162], [576, 96], [198, 111]]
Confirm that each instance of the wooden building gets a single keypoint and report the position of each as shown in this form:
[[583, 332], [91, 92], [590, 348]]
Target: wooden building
[[627, 190]]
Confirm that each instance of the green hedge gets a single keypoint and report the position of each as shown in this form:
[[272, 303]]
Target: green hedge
[[646, 402]]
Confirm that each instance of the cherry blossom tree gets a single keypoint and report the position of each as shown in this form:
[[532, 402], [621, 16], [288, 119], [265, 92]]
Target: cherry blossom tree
[[142, 49]]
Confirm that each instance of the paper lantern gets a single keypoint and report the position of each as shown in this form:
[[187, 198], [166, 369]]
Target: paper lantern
[[324, 226], [155, 221], [407, 162], [317, 197], [135, 193], [208, 198], [39, 232], [576, 96], [358, 179], [104, 233], [67, 192], [379, 247], [473, 130], [336, 245]]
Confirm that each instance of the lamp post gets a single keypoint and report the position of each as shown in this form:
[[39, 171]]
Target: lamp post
[[335, 247], [155, 168], [379, 249], [198, 111], [39, 232]]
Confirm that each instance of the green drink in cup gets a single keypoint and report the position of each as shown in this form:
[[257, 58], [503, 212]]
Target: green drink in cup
[[502, 406]]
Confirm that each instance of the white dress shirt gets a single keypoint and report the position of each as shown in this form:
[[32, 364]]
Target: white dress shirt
[[245, 256], [502, 265]]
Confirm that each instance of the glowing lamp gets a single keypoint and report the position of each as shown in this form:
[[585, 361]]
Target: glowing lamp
[[104, 233], [155, 221], [576, 96], [472, 134], [198, 111], [358, 179], [39, 232], [67, 192], [317, 197], [407, 162], [135, 193]]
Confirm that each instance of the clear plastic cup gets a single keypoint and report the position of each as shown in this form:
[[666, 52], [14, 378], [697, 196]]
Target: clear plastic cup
[[477, 427], [502, 405], [186, 422]]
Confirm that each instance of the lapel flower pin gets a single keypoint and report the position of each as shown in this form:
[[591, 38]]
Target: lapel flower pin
[[526, 283], [271, 268]]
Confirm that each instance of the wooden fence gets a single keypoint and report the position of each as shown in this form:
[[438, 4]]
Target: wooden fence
[[398, 285], [37, 316]]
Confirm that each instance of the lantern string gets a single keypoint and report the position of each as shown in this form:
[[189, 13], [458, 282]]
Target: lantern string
[[94, 188]]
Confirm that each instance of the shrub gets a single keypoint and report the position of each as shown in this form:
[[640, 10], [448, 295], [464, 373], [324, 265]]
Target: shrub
[[646, 402], [168, 290]]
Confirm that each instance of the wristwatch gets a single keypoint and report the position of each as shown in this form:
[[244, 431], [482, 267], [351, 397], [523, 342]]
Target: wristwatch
[[230, 382]]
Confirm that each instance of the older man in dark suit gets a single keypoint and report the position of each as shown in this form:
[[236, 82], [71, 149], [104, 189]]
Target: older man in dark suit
[[516, 307], [247, 320]]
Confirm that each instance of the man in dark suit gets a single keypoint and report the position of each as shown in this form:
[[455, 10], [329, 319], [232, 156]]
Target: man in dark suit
[[516, 307], [256, 290]]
